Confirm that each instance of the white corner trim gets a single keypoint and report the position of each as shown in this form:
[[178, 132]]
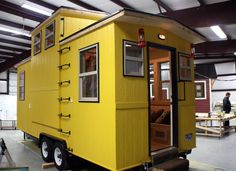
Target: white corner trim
[[205, 95]]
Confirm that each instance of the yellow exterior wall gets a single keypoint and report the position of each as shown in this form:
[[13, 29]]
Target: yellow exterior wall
[[132, 99], [41, 106], [44, 87], [92, 124], [72, 25], [23, 113], [112, 133]]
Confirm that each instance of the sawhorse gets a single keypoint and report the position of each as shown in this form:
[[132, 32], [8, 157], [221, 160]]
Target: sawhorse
[[5, 152]]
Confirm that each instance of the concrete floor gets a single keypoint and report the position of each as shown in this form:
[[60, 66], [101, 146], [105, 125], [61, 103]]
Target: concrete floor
[[211, 154], [220, 152], [22, 154]]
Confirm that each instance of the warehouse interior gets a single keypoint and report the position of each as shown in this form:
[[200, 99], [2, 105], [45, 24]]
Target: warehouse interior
[[194, 53]]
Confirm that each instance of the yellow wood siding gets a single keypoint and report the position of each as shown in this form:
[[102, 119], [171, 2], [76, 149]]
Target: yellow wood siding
[[92, 124], [132, 122], [113, 132]]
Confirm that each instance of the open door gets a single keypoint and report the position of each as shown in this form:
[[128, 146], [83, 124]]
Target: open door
[[160, 91]]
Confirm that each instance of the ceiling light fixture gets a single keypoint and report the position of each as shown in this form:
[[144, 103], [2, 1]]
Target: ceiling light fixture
[[36, 10], [235, 53], [14, 31], [218, 31]]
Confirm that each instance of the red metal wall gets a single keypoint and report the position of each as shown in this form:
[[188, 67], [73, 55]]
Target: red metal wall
[[203, 105]]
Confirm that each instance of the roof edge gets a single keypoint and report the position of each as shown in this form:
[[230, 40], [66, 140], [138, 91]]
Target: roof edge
[[22, 62], [120, 13], [64, 10]]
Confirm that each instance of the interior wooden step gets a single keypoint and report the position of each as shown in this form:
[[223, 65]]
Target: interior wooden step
[[164, 155], [175, 164]]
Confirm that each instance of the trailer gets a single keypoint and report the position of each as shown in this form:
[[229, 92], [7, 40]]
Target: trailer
[[111, 89]]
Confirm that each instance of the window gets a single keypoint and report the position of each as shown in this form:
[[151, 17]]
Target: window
[[133, 59], [200, 89], [184, 67], [165, 80], [88, 73], [22, 86], [37, 43], [49, 35], [4, 82]]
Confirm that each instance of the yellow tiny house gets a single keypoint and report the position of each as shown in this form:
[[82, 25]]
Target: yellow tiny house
[[96, 93]]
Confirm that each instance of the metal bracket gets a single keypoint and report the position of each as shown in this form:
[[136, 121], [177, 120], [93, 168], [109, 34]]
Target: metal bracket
[[61, 83], [69, 149], [64, 50], [64, 66], [61, 115], [64, 99], [64, 132]]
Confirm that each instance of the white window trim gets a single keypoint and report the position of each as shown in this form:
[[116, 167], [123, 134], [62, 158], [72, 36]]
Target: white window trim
[[36, 43], [205, 96], [49, 35], [81, 75], [136, 59], [151, 95], [22, 85]]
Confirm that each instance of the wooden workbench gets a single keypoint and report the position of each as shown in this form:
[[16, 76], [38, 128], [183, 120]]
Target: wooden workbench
[[204, 128]]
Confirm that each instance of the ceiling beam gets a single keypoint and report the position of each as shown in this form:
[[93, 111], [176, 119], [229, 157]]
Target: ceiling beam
[[12, 61], [226, 46], [15, 35], [206, 56], [19, 11], [163, 5], [44, 4], [202, 2], [16, 25], [84, 5], [7, 53], [208, 15], [5, 57], [121, 4], [11, 48], [15, 43]]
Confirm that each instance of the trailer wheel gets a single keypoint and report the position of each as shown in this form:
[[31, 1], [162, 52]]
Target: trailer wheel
[[46, 149], [60, 156]]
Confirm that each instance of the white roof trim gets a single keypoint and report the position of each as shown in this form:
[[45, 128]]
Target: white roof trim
[[65, 11], [92, 27], [23, 62], [146, 19]]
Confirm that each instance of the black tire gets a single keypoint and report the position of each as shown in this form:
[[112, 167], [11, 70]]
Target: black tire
[[46, 149], [60, 156]]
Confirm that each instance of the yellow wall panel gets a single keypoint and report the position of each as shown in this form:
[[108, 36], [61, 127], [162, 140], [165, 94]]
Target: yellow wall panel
[[131, 126], [92, 125], [132, 90], [23, 114], [72, 25]]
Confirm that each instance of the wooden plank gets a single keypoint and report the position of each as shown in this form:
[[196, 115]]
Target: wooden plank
[[208, 129], [213, 135], [48, 165]]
